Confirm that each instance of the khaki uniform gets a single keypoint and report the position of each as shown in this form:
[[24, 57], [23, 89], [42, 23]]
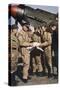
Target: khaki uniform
[[36, 58], [14, 52], [25, 53], [47, 41]]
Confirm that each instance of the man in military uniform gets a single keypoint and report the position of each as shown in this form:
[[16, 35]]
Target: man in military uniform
[[36, 55], [54, 28], [46, 45], [14, 53], [25, 42]]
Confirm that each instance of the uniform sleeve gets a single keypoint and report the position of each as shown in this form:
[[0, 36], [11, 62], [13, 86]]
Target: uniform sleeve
[[14, 42], [48, 40], [23, 42], [20, 39], [33, 38]]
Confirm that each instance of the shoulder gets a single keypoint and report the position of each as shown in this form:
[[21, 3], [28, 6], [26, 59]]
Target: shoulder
[[21, 32], [12, 36], [49, 33]]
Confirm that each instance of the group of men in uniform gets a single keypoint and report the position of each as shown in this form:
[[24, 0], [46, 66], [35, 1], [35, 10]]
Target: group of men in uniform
[[39, 58]]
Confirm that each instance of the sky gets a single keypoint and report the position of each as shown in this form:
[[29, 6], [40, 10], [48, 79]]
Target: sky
[[52, 9]]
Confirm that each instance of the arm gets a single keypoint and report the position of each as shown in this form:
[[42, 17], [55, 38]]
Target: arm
[[48, 41], [23, 42]]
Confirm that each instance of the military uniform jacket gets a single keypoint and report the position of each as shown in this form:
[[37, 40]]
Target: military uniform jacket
[[24, 42], [14, 47], [36, 38], [47, 41]]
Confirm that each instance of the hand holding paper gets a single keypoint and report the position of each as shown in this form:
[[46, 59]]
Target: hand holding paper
[[35, 44]]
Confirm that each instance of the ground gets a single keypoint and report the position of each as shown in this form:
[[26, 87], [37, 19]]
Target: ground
[[37, 80]]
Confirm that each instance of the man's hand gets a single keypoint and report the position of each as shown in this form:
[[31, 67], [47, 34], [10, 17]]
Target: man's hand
[[35, 44]]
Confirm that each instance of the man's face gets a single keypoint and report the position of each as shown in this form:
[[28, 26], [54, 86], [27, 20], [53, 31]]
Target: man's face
[[43, 28], [25, 28], [54, 28], [15, 31], [38, 31]]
